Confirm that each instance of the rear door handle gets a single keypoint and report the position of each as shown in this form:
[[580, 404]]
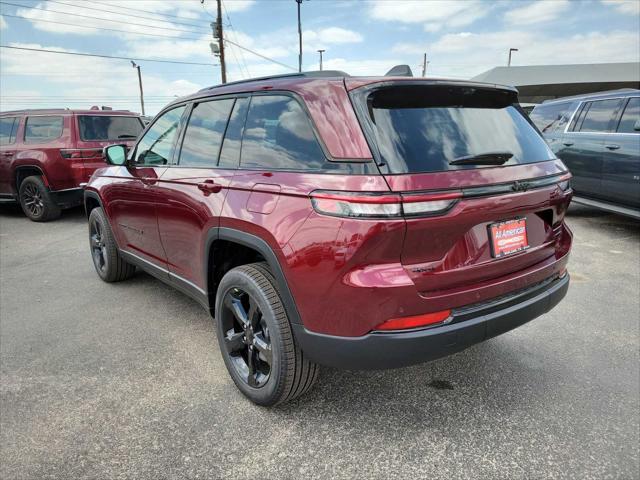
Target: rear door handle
[[567, 144], [209, 186], [612, 147], [6, 154]]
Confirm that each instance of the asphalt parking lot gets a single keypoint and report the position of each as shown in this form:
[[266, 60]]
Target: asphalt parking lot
[[125, 381]]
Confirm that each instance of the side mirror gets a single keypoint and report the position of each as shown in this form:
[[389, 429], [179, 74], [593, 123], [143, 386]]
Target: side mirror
[[115, 154]]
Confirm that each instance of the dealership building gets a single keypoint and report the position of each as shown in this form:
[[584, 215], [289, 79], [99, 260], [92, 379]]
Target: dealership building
[[537, 83]]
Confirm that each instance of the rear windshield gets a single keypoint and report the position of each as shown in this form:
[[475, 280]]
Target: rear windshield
[[106, 127], [421, 128]]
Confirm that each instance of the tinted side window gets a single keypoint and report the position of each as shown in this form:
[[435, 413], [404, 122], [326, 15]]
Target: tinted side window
[[203, 136], [230, 154], [157, 144], [630, 117], [278, 135], [43, 129], [104, 127], [548, 117], [8, 127], [599, 116]]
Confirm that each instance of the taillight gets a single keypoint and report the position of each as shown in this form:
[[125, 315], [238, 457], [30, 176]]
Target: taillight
[[428, 319], [564, 182], [382, 205], [81, 153]]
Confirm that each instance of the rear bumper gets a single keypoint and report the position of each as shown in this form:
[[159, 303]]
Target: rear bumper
[[71, 197], [470, 325]]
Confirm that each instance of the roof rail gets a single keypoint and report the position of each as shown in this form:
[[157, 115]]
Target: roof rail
[[309, 74]]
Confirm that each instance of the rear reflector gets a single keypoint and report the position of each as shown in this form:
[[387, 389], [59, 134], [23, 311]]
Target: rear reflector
[[81, 153], [415, 322], [385, 205]]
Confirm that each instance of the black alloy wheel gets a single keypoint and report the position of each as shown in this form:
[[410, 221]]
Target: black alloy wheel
[[32, 200], [246, 337], [98, 246]]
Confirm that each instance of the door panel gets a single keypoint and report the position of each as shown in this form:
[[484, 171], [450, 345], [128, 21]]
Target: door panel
[[189, 202], [8, 139], [131, 197], [621, 168], [582, 153], [191, 194]]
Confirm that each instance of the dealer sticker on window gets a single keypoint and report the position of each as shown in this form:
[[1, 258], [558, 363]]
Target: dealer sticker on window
[[508, 237]]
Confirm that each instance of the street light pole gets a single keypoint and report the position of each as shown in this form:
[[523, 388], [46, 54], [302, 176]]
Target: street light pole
[[511, 50], [424, 65], [299, 2], [320, 52], [134, 65]]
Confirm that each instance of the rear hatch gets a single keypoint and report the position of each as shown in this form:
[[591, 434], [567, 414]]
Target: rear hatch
[[483, 194], [95, 131]]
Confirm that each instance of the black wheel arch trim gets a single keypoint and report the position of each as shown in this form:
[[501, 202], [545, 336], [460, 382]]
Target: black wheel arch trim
[[262, 247]]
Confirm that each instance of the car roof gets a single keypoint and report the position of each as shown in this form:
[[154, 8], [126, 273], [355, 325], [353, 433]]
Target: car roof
[[314, 82], [623, 92], [67, 111]]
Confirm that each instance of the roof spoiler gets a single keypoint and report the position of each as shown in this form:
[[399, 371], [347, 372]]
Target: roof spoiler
[[400, 71]]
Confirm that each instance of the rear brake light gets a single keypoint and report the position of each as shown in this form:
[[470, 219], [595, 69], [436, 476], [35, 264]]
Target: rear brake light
[[564, 182], [377, 205], [425, 320], [81, 153]]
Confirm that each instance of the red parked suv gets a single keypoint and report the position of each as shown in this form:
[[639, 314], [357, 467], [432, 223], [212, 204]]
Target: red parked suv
[[359, 223], [46, 156]]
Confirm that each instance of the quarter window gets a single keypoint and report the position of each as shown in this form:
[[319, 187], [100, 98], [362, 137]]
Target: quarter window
[[43, 129], [157, 145], [278, 135], [203, 136], [550, 117], [599, 115], [8, 128], [630, 121]]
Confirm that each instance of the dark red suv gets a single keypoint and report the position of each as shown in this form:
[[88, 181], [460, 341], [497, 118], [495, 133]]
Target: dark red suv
[[359, 223], [47, 156]]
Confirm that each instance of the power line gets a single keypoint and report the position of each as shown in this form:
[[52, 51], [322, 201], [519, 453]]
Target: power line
[[137, 10], [121, 22], [99, 28], [108, 56], [128, 14], [260, 55]]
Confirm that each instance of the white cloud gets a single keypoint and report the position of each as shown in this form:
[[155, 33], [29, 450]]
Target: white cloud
[[357, 67], [3, 23], [537, 12], [466, 54], [631, 7], [334, 35], [433, 14], [79, 82]]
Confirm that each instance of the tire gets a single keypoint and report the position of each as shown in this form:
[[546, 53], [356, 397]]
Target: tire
[[109, 265], [250, 292], [36, 201]]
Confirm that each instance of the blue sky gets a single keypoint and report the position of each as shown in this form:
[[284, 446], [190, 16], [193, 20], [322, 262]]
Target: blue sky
[[461, 38]]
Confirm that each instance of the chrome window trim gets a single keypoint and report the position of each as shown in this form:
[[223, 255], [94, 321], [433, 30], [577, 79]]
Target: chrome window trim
[[582, 102]]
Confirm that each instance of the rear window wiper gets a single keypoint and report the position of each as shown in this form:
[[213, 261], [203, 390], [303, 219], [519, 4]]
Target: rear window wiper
[[127, 136], [488, 158]]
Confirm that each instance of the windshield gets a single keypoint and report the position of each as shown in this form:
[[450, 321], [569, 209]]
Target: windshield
[[105, 127], [421, 128]]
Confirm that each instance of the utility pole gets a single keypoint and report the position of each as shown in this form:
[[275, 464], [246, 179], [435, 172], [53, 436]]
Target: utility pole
[[511, 50], [134, 65], [320, 52], [299, 2], [218, 34], [424, 64]]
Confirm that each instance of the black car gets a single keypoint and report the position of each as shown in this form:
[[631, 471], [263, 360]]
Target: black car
[[598, 137]]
